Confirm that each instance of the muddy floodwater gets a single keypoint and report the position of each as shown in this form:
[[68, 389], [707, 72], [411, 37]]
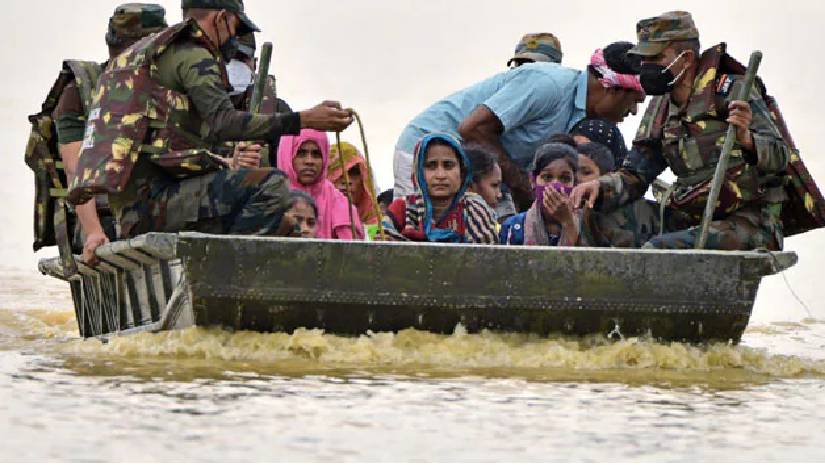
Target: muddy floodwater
[[213, 395]]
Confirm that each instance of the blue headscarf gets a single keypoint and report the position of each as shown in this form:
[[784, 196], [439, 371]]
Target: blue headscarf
[[435, 234]]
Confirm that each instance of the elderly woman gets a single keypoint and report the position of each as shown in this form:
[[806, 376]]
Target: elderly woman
[[442, 210], [304, 158], [550, 221]]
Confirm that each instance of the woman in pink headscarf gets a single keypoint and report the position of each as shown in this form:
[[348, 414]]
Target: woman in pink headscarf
[[304, 159]]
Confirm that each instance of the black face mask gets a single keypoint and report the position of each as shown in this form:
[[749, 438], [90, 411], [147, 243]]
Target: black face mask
[[657, 79]]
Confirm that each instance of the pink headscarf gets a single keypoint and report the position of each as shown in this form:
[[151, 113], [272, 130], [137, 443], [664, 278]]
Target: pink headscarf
[[611, 78], [332, 204]]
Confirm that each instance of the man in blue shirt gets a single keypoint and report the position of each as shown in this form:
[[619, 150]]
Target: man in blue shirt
[[512, 113]]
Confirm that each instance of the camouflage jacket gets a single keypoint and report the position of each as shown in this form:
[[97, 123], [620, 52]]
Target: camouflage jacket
[[689, 141], [142, 113], [42, 154]]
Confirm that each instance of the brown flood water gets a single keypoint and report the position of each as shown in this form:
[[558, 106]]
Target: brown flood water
[[211, 395]]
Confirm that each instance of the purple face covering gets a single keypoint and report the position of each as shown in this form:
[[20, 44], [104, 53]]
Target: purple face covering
[[566, 190]]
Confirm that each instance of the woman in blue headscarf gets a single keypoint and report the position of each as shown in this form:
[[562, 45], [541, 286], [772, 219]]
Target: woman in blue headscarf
[[442, 210]]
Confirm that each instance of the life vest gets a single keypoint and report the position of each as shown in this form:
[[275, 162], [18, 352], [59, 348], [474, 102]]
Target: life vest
[[133, 115], [42, 154]]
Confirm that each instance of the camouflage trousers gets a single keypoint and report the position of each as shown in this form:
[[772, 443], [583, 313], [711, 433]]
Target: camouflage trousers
[[750, 228], [244, 201], [627, 227], [638, 224]]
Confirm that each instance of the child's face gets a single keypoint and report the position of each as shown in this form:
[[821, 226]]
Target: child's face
[[442, 172], [303, 215], [308, 163], [588, 170], [557, 171], [489, 187]]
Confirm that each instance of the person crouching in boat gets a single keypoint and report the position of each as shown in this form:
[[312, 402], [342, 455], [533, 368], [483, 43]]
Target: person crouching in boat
[[304, 158], [442, 210], [359, 175], [486, 176], [304, 214], [551, 220]]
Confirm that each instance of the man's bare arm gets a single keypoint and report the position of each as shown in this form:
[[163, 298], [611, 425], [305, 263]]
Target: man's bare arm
[[483, 128], [87, 212]]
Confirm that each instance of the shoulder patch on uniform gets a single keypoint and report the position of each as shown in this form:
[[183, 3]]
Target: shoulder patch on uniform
[[724, 85]]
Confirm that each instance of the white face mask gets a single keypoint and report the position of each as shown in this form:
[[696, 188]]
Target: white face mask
[[240, 76]]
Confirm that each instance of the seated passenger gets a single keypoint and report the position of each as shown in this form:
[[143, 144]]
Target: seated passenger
[[486, 176], [442, 210], [304, 214], [594, 160], [384, 201], [304, 159], [359, 180], [550, 221]]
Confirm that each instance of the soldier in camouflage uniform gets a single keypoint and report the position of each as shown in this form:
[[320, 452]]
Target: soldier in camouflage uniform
[[684, 128], [59, 129], [159, 108], [241, 70]]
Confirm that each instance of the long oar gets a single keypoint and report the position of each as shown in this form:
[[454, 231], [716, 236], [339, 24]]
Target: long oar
[[371, 185], [722, 165], [346, 181]]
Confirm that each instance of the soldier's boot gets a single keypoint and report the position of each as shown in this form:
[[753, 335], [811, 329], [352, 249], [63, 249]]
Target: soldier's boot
[[747, 229]]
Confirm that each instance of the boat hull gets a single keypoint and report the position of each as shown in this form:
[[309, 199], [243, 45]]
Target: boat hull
[[166, 281]]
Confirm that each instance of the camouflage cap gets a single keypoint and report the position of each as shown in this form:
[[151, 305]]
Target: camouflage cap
[[247, 45], [235, 6], [542, 46], [133, 21], [657, 32]]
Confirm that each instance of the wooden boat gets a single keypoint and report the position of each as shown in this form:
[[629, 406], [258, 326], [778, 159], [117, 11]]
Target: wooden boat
[[167, 281]]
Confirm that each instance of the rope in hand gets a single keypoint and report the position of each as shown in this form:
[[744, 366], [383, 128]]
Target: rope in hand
[[370, 185]]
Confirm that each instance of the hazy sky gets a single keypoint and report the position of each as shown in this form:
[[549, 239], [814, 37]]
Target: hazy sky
[[390, 59]]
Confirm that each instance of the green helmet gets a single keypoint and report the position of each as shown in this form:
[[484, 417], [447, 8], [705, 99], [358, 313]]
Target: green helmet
[[235, 6], [133, 21]]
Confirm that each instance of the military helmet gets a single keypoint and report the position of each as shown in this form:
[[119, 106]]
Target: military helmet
[[656, 33], [133, 21], [235, 6], [247, 45], [542, 47]]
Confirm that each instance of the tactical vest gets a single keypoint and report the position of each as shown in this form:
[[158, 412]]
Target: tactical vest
[[693, 148], [133, 115], [42, 154]]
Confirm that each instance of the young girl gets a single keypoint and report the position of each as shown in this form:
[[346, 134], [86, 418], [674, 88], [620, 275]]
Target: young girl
[[551, 220], [486, 176], [442, 210], [304, 159], [304, 214]]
